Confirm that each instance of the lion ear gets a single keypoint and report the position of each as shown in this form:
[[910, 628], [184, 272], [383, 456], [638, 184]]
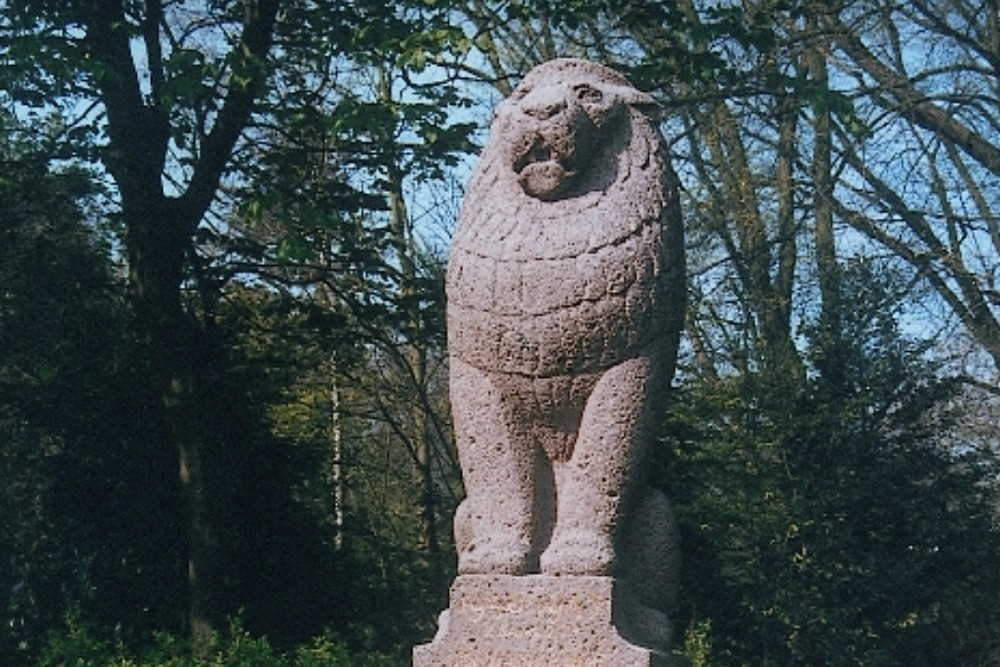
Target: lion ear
[[640, 100], [653, 110]]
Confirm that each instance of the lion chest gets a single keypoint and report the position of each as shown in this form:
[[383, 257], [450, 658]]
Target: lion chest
[[532, 312]]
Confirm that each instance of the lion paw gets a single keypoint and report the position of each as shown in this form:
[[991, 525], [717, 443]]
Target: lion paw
[[495, 556], [579, 553]]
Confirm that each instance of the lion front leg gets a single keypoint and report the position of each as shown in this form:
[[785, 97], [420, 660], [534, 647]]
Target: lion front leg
[[596, 484], [495, 526]]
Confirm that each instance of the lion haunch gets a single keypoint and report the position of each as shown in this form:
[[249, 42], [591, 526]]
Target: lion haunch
[[565, 298]]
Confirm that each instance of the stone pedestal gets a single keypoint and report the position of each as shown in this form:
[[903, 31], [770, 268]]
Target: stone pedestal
[[536, 621]]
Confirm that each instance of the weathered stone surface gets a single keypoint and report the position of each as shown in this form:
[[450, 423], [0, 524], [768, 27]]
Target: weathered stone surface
[[536, 621], [565, 294]]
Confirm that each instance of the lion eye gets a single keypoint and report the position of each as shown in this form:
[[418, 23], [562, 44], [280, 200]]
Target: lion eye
[[586, 93]]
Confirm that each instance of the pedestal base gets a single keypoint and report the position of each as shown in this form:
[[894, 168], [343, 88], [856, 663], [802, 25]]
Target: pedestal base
[[536, 621]]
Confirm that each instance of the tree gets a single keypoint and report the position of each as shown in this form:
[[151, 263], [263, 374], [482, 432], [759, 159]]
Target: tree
[[83, 482], [347, 247], [926, 158], [168, 95], [836, 522], [133, 61]]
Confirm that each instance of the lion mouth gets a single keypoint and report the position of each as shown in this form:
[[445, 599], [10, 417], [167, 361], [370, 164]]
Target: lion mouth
[[542, 172], [538, 153]]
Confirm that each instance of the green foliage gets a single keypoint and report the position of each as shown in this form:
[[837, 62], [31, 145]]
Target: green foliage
[[76, 646], [318, 197], [83, 495], [79, 645], [697, 645], [834, 520], [368, 577]]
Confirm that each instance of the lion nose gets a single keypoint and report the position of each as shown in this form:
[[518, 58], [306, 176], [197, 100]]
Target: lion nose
[[544, 103]]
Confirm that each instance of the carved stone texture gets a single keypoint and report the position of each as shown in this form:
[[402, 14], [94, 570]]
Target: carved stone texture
[[565, 294], [536, 621]]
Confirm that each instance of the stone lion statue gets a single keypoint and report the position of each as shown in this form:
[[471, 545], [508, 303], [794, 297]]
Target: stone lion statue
[[565, 294]]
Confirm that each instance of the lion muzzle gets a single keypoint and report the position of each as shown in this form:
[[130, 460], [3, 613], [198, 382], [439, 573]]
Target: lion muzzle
[[552, 139]]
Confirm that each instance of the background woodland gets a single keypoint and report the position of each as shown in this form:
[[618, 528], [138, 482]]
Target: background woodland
[[224, 426]]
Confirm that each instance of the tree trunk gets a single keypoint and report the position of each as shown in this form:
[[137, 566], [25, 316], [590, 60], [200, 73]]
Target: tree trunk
[[336, 455], [826, 254], [778, 321], [160, 237], [415, 358], [181, 366]]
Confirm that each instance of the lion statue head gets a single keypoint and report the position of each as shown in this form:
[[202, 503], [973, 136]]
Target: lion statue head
[[558, 118]]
